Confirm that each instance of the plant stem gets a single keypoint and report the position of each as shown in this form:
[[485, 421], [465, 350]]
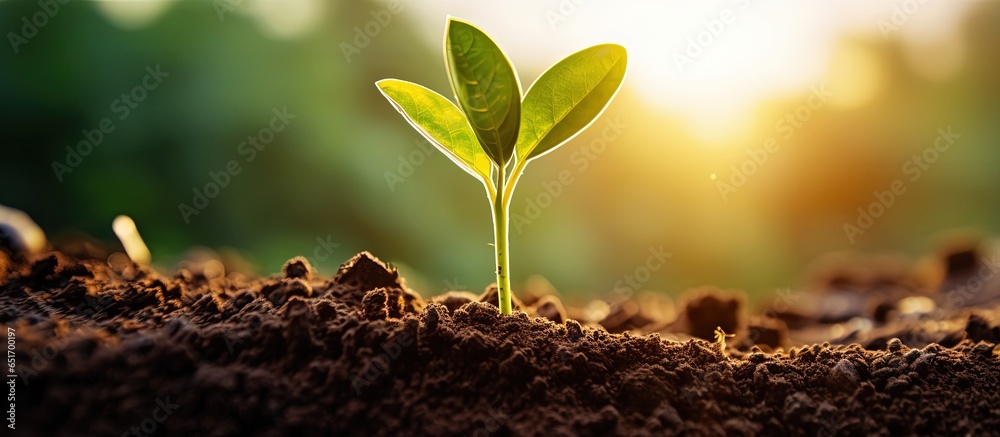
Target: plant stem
[[501, 220], [508, 191]]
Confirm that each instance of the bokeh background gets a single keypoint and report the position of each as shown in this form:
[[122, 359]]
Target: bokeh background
[[348, 170]]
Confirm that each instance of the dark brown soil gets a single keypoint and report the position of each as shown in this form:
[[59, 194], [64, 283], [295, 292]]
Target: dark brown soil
[[105, 347]]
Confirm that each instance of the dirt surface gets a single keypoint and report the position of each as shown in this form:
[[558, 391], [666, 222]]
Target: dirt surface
[[105, 347]]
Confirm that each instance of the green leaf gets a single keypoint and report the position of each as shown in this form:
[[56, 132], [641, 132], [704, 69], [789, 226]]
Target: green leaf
[[441, 122], [486, 86], [568, 97]]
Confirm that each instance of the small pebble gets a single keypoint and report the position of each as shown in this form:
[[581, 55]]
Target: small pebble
[[844, 375]]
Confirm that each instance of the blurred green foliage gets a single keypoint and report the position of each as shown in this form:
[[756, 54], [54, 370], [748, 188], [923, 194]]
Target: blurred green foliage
[[327, 177]]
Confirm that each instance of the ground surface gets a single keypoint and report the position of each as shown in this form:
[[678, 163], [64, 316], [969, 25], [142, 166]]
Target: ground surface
[[108, 348]]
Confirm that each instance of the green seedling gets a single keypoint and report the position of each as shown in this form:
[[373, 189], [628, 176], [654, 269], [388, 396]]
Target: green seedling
[[494, 131]]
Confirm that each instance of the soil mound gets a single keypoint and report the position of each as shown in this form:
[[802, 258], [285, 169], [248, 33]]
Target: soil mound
[[114, 349]]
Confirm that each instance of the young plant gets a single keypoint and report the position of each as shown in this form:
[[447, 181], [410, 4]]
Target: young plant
[[720, 338], [493, 133]]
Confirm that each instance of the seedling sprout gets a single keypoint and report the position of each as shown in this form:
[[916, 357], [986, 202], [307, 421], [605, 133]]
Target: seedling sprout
[[494, 131], [22, 230], [128, 234], [720, 338]]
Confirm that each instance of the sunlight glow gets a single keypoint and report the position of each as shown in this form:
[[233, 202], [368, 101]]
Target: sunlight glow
[[855, 76], [935, 58], [713, 62], [289, 18], [933, 42], [133, 14]]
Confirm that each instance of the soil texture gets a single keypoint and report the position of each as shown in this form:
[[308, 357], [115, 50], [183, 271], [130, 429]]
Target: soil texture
[[108, 347]]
